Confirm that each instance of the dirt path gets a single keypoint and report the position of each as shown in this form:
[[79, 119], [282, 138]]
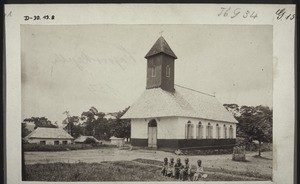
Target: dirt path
[[258, 165]]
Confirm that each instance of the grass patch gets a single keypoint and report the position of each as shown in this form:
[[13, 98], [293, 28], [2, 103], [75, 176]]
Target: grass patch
[[253, 174], [105, 171], [62, 147], [112, 171]]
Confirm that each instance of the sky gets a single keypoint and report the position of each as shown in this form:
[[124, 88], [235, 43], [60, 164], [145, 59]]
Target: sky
[[75, 67]]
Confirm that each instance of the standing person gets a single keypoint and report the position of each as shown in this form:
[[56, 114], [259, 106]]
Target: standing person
[[185, 171], [199, 171], [164, 167], [171, 168], [177, 168]]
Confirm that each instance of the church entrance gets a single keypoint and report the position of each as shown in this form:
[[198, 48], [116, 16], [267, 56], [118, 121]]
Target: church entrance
[[152, 134]]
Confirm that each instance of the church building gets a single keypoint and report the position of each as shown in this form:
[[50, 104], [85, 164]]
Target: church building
[[169, 116]]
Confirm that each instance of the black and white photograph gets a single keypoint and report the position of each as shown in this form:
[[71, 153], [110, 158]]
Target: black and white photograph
[[129, 98], [146, 102]]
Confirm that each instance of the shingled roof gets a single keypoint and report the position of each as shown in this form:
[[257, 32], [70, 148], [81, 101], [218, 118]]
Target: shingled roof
[[49, 133], [182, 103], [160, 46]]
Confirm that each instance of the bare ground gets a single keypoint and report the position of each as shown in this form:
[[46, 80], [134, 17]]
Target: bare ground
[[213, 163]]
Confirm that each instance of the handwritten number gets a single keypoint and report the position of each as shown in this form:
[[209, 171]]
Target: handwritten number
[[246, 14], [222, 9], [226, 12], [253, 15], [236, 12], [280, 13], [36, 18], [292, 17]]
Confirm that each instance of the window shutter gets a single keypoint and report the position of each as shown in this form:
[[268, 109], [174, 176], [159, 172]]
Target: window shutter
[[192, 131], [200, 131], [186, 131], [206, 129], [197, 131]]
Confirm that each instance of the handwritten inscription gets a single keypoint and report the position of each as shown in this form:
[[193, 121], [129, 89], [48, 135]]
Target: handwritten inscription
[[38, 17], [282, 14], [9, 14], [237, 12]]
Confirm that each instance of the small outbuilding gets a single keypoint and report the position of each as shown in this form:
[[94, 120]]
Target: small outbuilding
[[50, 136], [83, 138], [117, 141]]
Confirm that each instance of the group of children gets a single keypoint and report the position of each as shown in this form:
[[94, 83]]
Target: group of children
[[182, 171]]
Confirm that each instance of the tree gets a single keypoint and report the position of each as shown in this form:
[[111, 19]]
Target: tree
[[25, 131], [255, 123], [120, 127], [72, 126], [40, 122]]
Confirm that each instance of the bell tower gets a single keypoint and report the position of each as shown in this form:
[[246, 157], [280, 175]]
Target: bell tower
[[160, 66]]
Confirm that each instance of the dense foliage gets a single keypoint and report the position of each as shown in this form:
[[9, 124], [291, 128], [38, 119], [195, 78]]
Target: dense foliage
[[38, 122], [255, 123], [89, 123]]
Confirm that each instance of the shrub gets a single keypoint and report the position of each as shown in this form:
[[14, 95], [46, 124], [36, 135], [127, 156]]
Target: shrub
[[89, 141]]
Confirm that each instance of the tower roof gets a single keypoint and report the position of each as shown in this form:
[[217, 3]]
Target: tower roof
[[161, 46]]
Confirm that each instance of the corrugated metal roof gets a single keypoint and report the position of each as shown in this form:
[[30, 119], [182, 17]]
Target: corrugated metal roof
[[50, 133], [182, 103], [161, 46]]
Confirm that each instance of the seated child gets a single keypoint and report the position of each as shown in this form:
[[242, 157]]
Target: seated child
[[177, 168], [199, 172], [185, 171], [171, 168], [164, 167]]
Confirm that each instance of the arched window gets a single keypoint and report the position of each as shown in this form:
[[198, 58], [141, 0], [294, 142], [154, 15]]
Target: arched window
[[225, 132], [218, 131], [209, 129], [230, 132], [199, 130], [168, 71], [153, 71], [189, 130], [152, 123]]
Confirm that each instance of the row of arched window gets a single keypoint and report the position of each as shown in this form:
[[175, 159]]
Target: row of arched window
[[209, 131]]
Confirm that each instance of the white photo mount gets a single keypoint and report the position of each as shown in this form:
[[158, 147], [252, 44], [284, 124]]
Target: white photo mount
[[280, 17]]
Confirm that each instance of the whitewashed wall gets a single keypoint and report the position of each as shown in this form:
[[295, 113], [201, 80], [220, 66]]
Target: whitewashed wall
[[48, 141], [174, 127], [139, 128], [167, 128], [182, 121]]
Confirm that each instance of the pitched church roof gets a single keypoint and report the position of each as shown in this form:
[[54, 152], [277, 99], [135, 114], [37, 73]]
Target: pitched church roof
[[49, 133], [182, 103], [161, 46]]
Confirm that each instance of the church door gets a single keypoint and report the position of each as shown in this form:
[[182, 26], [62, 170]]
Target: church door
[[152, 134]]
